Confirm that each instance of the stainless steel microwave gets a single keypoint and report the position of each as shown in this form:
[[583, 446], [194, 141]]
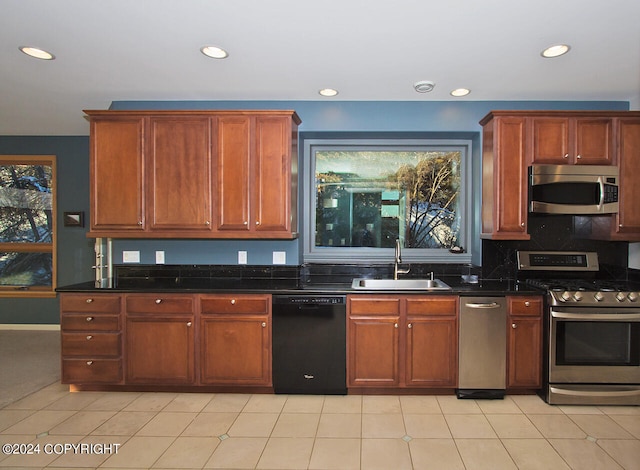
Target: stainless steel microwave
[[573, 189]]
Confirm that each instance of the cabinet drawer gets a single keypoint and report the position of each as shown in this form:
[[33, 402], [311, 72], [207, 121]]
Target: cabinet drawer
[[90, 303], [90, 344], [83, 371], [432, 305], [159, 304], [89, 322], [236, 304], [528, 306], [374, 305]]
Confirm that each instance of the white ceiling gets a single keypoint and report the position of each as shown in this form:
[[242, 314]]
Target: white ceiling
[[114, 50]]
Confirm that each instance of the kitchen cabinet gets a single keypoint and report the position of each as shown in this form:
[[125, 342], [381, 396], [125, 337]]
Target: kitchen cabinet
[[235, 340], [504, 177], [572, 140], [625, 225], [160, 339], [524, 342], [402, 341], [194, 174], [91, 342]]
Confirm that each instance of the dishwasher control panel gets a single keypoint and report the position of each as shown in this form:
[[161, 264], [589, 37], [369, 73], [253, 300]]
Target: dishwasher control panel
[[309, 299]]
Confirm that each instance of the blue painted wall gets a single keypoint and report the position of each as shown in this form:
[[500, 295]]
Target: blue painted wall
[[319, 118]]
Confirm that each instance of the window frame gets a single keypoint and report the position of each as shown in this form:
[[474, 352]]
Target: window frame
[[367, 255], [22, 247]]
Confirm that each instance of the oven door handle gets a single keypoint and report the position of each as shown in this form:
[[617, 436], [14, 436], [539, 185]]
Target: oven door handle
[[595, 316]]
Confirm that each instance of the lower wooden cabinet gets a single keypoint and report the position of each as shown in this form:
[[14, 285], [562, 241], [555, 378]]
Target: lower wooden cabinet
[[91, 338], [235, 340], [524, 342], [402, 341]]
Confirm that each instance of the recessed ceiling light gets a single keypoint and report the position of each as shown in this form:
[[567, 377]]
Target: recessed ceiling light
[[460, 92], [328, 92], [555, 51], [214, 52], [37, 52], [423, 86]]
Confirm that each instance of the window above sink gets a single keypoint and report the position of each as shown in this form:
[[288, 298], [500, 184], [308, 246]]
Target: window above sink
[[362, 195]]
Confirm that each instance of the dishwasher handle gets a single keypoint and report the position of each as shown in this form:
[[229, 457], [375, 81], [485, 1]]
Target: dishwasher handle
[[482, 305]]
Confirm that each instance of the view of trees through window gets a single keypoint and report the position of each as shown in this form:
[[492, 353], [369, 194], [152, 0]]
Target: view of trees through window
[[372, 198], [27, 225]]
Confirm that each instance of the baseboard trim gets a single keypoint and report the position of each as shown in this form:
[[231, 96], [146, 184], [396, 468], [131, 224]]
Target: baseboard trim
[[29, 326]]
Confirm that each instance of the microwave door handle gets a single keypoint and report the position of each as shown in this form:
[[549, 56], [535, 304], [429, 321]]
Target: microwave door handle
[[601, 183]]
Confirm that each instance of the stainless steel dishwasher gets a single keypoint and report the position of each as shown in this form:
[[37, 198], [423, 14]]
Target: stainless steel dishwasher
[[482, 347]]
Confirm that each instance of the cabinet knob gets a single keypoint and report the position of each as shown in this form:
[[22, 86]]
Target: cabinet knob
[[158, 301], [233, 301], [89, 301], [207, 223], [395, 325], [566, 155], [89, 318], [140, 222], [188, 323], [579, 157], [246, 223], [409, 326], [264, 324], [514, 326], [522, 224], [527, 304], [89, 363], [257, 222], [89, 337]]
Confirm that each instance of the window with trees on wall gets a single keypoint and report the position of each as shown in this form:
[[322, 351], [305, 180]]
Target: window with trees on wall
[[27, 225], [364, 196]]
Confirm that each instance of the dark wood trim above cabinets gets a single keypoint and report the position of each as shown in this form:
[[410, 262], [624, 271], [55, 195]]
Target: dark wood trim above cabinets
[[514, 140], [194, 174]]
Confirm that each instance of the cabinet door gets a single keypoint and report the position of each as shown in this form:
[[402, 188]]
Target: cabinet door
[[180, 192], [504, 190], [432, 342], [550, 140], [117, 174], [628, 218], [160, 350], [593, 141], [272, 183], [235, 350], [233, 152], [524, 361], [373, 342]]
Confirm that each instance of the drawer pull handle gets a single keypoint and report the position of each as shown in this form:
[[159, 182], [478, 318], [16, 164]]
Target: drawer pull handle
[[89, 363], [89, 337], [233, 301], [158, 301], [89, 318], [527, 304], [264, 324], [89, 301]]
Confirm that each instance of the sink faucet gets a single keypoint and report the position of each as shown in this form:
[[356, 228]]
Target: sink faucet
[[398, 260]]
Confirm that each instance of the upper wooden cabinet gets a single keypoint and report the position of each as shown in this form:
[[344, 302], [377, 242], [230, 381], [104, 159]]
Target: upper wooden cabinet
[[194, 174], [571, 140], [514, 140]]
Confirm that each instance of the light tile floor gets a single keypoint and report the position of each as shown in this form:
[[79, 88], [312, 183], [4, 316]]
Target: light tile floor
[[235, 431]]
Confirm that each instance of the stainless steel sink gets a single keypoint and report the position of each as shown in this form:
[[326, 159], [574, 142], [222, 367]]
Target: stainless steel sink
[[399, 284]]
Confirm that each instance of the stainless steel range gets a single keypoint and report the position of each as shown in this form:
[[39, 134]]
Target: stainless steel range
[[592, 330]]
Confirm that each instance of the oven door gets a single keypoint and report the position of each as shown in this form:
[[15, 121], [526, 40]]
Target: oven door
[[594, 346]]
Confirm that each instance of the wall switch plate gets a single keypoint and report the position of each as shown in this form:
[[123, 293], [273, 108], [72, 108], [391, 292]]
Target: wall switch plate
[[159, 257], [279, 257], [130, 256], [242, 257]]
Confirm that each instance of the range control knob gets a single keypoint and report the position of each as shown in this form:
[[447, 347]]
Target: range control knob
[[620, 297], [566, 295], [599, 296], [633, 296], [577, 296]]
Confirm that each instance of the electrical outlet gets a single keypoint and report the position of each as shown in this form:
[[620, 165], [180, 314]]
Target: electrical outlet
[[159, 257], [242, 257], [130, 256], [279, 257]]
